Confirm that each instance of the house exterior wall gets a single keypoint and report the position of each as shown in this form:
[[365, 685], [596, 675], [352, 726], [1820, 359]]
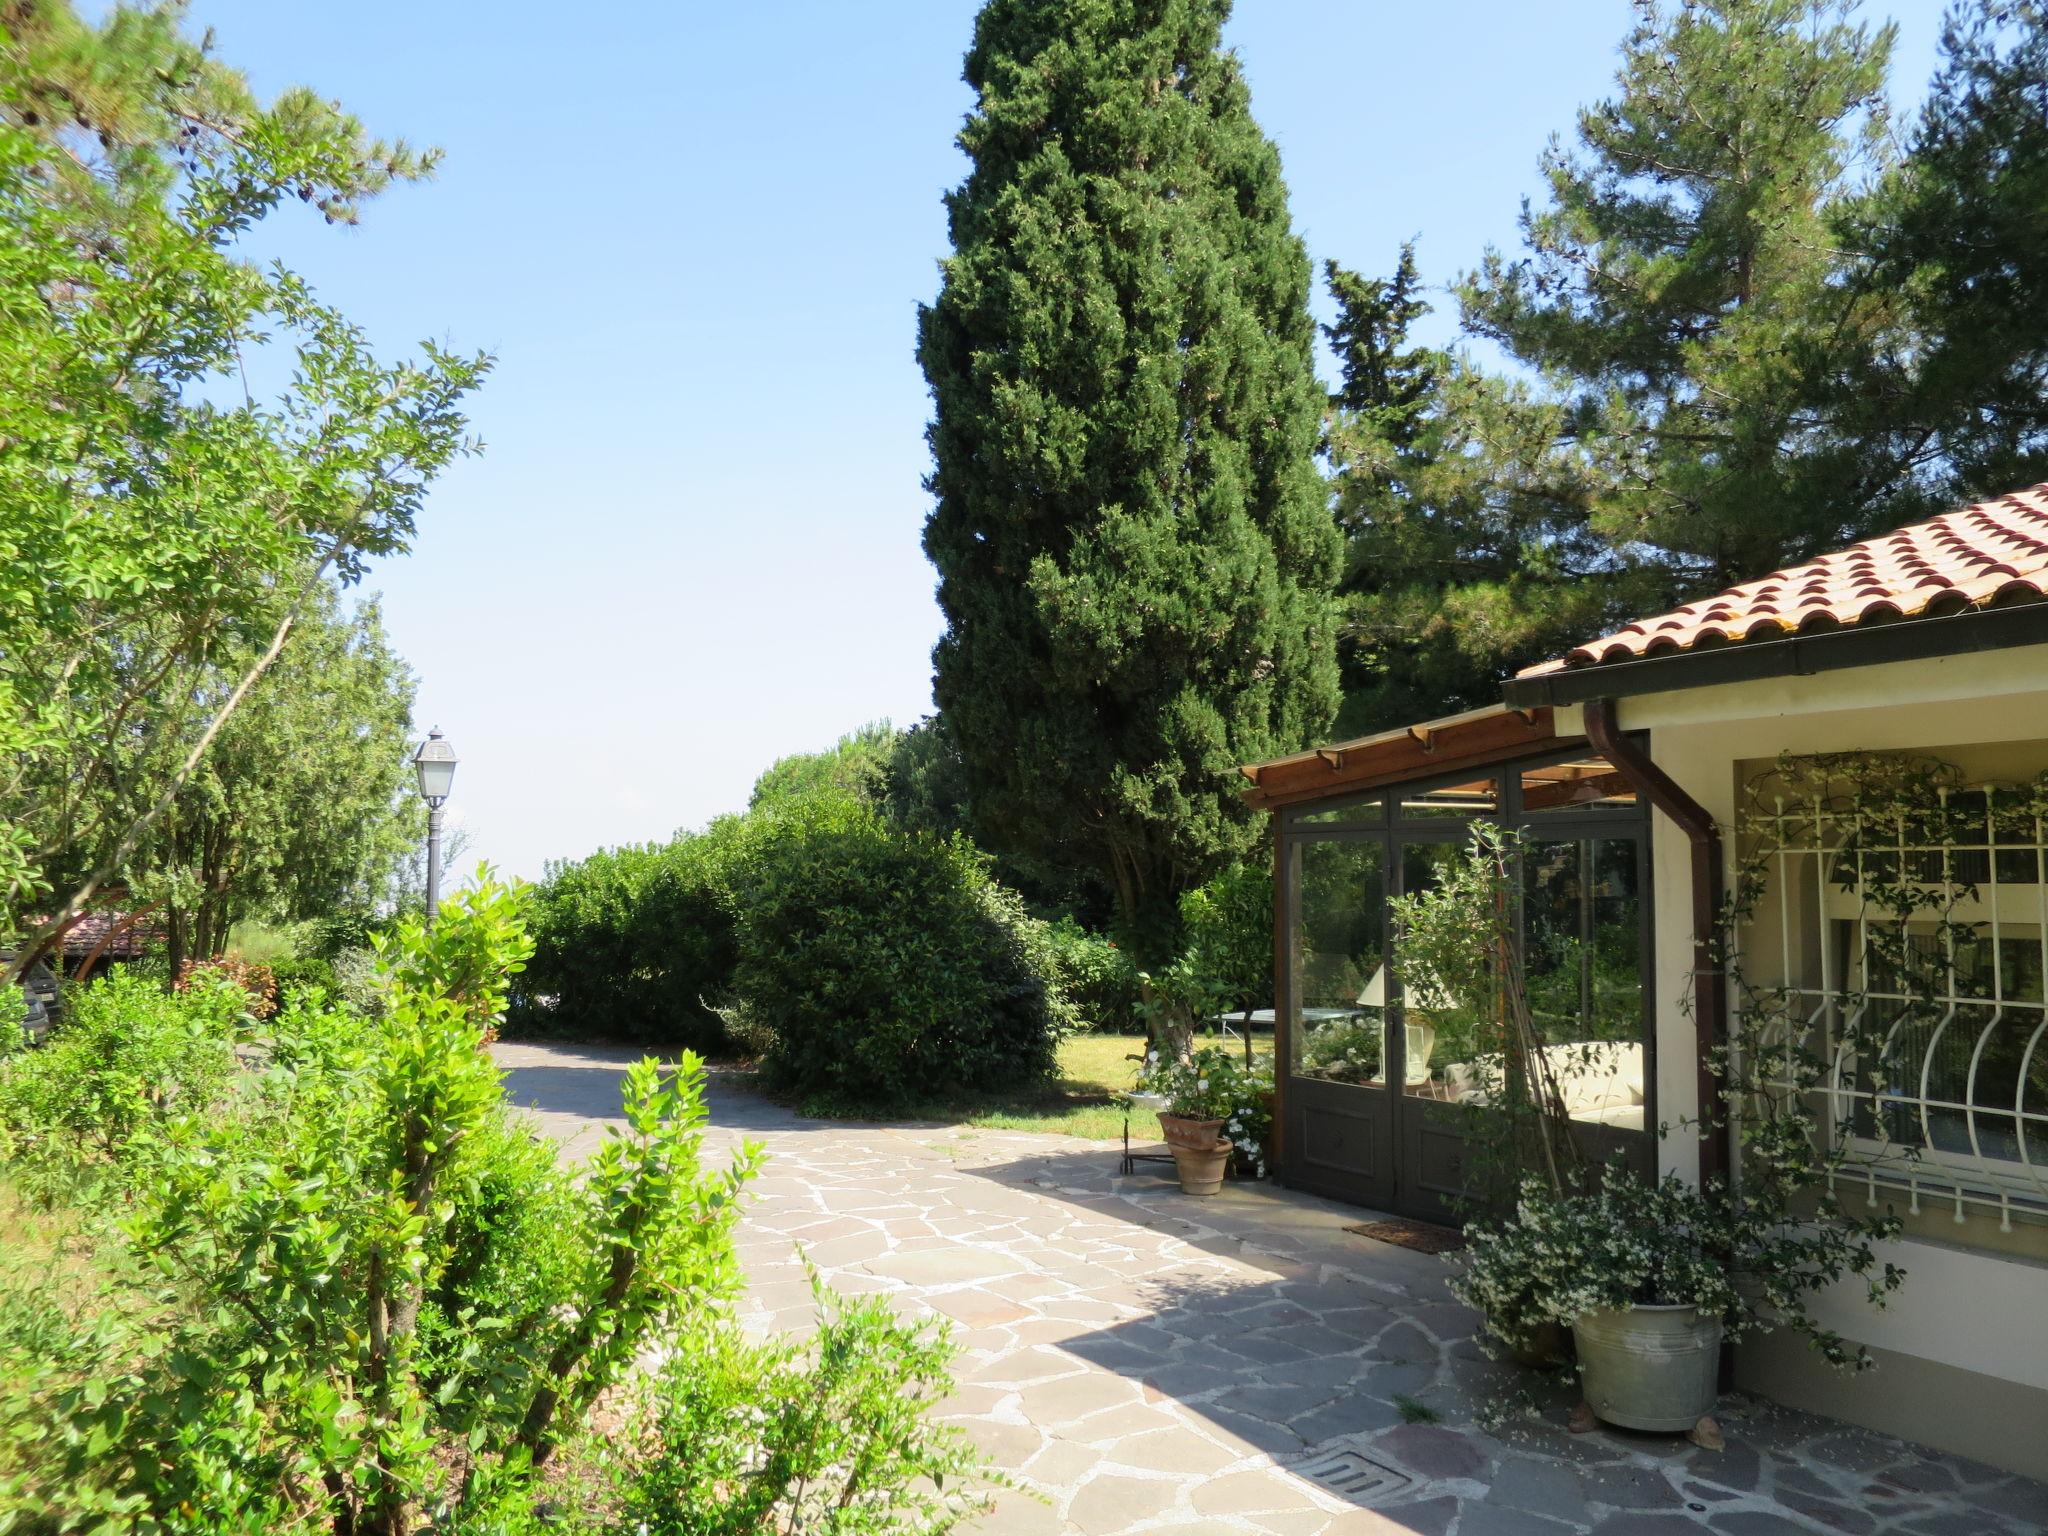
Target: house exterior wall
[[1963, 1347]]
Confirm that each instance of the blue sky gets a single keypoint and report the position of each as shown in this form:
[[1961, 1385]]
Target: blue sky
[[695, 236]]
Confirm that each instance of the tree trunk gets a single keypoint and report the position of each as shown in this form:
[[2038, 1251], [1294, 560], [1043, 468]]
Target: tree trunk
[[1169, 1027]]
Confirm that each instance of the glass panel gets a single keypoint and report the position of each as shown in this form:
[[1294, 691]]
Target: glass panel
[[1481, 797], [1946, 1065], [1588, 785], [1582, 966], [1441, 1031], [1364, 812], [1339, 991]]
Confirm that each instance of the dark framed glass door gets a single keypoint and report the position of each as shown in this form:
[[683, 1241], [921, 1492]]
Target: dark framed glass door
[[1338, 1131], [1384, 1072], [1440, 1035]]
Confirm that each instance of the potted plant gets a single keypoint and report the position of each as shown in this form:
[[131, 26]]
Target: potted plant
[[1214, 1111], [1651, 1278], [1639, 1272]]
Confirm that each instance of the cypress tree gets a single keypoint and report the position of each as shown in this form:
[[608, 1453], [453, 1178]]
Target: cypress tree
[[1135, 551]]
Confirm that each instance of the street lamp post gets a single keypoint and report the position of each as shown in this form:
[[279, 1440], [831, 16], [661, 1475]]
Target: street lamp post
[[435, 763]]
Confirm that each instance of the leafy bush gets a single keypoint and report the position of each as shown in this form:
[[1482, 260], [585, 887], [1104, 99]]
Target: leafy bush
[[257, 982], [831, 1439], [889, 966], [357, 981], [303, 973], [339, 933], [857, 766], [631, 943], [395, 1304], [128, 1060], [1623, 1240], [1227, 927], [1095, 976], [351, 1290]]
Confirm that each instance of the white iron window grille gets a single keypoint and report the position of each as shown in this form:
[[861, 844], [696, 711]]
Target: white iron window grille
[[1910, 948]]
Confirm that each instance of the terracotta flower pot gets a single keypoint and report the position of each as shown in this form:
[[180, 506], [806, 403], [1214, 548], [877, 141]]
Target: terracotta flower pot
[[1200, 1153]]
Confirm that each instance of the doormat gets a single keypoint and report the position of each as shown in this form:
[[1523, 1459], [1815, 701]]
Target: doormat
[[1418, 1235]]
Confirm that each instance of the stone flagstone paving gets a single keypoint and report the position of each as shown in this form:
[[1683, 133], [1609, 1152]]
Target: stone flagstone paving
[[1149, 1362]]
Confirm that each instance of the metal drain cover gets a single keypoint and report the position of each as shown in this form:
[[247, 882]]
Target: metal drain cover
[[1350, 1473]]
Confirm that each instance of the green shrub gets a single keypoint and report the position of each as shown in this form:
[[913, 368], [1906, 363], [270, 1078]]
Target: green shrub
[[857, 766], [303, 973], [630, 943], [1095, 976], [388, 1299], [349, 1288], [1227, 927], [832, 1439], [128, 1059], [340, 932], [889, 966]]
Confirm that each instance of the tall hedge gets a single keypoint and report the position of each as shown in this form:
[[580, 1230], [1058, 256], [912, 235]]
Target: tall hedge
[[889, 966], [632, 942]]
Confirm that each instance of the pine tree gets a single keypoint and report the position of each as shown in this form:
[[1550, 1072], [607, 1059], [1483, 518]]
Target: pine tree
[[1684, 289], [1134, 546], [1386, 384], [1955, 406], [1468, 551]]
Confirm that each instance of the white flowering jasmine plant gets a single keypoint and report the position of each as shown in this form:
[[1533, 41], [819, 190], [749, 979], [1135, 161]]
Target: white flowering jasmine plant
[[1212, 1084], [1625, 1242]]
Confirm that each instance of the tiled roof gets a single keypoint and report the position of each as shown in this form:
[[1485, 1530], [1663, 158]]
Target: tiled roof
[[84, 936], [1972, 557]]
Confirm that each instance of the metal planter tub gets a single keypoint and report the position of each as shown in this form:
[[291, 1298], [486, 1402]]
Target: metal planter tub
[[1649, 1367]]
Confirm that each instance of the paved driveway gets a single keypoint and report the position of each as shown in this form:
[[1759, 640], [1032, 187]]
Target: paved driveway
[[1151, 1362]]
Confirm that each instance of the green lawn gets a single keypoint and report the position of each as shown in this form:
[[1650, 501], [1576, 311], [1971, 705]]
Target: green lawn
[[1077, 1103]]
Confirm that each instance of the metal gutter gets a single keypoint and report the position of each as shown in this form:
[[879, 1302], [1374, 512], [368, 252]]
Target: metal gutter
[[1919, 639], [1709, 980]]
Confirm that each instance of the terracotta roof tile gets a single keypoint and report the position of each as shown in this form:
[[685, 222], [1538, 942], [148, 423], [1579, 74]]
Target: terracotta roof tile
[[1972, 557], [84, 936]]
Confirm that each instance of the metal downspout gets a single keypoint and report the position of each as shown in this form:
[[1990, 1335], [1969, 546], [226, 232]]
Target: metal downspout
[[1709, 980]]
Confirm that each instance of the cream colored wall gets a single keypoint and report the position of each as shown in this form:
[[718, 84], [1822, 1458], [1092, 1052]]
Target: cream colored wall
[[1967, 1309]]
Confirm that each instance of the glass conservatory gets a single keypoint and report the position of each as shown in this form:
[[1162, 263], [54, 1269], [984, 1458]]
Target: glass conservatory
[[1378, 1072]]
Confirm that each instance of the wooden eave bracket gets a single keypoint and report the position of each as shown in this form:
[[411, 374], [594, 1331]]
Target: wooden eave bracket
[[1423, 736], [1332, 758]]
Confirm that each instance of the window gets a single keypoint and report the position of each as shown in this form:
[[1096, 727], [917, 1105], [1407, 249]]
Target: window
[[1481, 797], [1582, 962], [1339, 959], [1358, 813], [1581, 921], [1587, 785], [1911, 947]]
